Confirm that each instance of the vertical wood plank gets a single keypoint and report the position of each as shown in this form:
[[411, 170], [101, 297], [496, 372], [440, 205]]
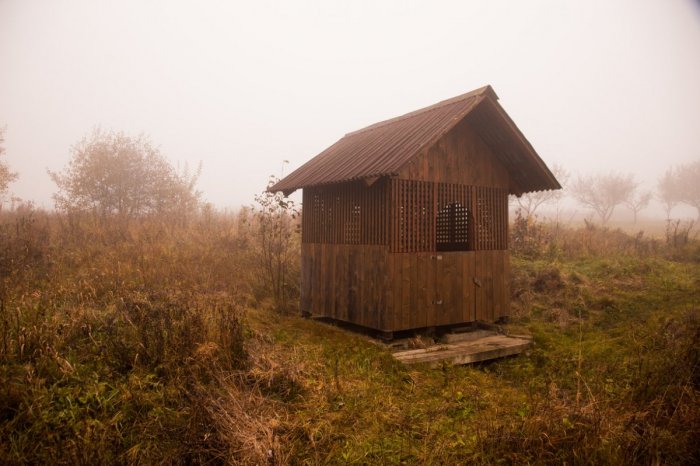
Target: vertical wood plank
[[478, 290], [469, 279], [499, 285], [406, 317], [387, 316], [488, 275]]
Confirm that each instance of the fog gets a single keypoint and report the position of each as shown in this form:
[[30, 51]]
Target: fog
[[242, 86]]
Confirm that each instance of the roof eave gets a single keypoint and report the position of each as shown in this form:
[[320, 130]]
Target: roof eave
[[550, 182]]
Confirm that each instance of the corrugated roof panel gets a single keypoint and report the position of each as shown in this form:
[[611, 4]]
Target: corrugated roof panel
[[499, 132], [383, 148]]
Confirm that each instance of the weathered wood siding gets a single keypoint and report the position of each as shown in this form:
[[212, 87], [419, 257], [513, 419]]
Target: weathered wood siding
[[368, 286], [459, 157], [346, 282], [448, 288]]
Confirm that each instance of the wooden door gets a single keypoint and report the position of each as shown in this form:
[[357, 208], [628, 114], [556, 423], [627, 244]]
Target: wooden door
[[454, 301], [496, 289]]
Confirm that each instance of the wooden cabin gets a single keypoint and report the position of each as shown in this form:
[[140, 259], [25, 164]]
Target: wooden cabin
[[405, 222]]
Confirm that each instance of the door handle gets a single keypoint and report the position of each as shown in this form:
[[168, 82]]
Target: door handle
[[477, 282]]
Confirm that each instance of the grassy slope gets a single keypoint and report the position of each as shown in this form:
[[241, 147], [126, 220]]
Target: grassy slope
[[577, 396]]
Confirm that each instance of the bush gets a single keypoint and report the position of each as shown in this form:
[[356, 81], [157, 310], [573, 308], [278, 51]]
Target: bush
[[531, 239], [119, 348]]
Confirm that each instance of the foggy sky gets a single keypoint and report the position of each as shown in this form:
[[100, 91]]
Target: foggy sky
[[242, 86]]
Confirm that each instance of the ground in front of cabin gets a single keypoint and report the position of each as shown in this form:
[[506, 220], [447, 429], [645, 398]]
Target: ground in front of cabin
[[153, 345]]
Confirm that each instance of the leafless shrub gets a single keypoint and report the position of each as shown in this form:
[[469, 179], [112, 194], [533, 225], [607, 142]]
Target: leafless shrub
[[529, 237], [678, 233], [277, 245]]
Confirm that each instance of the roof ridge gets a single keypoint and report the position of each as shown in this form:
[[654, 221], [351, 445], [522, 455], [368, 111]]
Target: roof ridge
[[475, 93]]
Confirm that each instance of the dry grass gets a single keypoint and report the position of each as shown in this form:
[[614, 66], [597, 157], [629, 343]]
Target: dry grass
[[151, 344]]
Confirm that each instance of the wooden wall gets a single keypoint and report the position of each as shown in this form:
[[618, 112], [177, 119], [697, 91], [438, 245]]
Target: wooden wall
[[369, 286], [346, 282], [433, 289], [459, 157]]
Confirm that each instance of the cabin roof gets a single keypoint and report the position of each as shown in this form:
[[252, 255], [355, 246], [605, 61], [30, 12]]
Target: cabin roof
[[383, 148]]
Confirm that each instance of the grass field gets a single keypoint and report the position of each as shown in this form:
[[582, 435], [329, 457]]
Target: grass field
[[155, 344]]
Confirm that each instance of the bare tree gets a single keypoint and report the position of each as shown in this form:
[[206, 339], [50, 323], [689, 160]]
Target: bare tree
[[667, 191], [115, 175], [530, 202], [637, 201], [6, 175], [603, 193], [688, 184], [680, 184]]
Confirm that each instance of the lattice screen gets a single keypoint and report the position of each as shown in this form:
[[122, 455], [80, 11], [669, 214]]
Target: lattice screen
[[413, 208], [408, 215], [453, 223], [348, 213], [491, 218], [447, 217]]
